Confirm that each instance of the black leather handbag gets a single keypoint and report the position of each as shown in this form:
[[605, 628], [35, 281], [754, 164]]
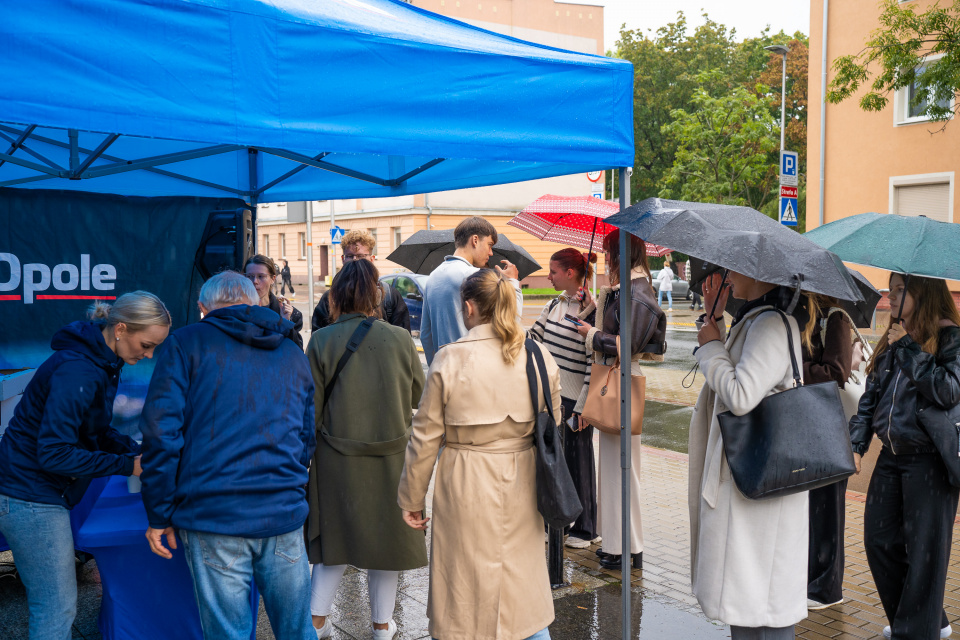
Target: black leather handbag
[[557, 499], [943, 428], [793, 441]]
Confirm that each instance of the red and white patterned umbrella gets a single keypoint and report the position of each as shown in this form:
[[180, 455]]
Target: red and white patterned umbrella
[[572, 220]]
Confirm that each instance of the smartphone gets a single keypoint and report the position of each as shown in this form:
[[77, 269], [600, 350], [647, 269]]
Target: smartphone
[[574, 319]]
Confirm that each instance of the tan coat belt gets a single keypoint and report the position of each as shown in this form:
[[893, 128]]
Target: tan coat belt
[[508, 445]]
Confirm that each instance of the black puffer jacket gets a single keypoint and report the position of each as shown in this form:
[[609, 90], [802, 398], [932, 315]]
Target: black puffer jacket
[[905, 379]]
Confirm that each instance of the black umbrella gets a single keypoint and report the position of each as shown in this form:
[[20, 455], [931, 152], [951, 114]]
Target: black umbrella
[[424, 251], [860, 311], [740, 239]]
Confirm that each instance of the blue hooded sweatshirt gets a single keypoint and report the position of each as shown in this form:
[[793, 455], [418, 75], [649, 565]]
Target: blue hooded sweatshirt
[[228, 430], [60, 435]]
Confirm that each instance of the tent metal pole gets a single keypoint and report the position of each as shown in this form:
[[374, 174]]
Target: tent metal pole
[[625, 426], [310, 253], [254, 196]]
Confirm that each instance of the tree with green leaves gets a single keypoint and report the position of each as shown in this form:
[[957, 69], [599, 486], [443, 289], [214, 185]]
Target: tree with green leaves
[[909, 49], [724, 149]]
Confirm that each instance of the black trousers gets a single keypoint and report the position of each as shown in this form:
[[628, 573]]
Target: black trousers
[[908, 526], [578, 452], [287, 282], [825, 563]]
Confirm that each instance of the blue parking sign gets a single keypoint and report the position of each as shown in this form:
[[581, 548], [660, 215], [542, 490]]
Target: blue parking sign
[[788, 211], [788, 168]]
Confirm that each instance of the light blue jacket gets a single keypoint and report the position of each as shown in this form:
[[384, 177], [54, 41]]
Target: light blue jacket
[[442, 319]]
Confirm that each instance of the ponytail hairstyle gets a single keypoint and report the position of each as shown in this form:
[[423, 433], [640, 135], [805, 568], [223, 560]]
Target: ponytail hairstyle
[[581, 263], [496, 303], [638, 255], [932, 302], [137, 310]]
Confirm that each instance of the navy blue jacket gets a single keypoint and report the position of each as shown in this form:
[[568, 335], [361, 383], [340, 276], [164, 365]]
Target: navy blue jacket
[[228, 430], [60, 436]]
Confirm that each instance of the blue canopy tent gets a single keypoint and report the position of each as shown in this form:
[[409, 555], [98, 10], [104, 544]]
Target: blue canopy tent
[[288, 100], [293, 100]]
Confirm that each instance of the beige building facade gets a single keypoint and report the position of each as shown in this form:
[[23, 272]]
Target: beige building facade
[[888, 162], [393, 220]]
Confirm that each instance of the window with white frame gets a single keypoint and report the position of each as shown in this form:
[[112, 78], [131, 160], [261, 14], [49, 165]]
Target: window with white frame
[[373, 232], [929, 195], [397, 238], [905, 111], [265, 245], [283, 245], [302, 237]]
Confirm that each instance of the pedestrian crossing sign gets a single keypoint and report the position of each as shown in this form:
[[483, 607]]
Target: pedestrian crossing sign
[[788, 211], [336, 235]]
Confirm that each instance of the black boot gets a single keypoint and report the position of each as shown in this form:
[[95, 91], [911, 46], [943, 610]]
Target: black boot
[[610, 561]]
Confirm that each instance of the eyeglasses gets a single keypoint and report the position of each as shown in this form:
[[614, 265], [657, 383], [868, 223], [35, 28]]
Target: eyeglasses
[[259, 277], [348, 257]]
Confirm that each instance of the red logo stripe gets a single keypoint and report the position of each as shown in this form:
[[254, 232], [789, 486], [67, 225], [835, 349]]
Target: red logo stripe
[[39, 297], [9, 297]]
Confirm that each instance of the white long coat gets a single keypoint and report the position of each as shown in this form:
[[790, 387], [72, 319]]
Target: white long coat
[[748, 557]]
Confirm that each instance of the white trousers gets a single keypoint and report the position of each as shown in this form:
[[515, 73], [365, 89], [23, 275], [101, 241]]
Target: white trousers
[[609, 502], [381, 585]]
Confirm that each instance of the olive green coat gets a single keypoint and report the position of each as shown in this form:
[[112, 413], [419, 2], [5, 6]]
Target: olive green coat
[[362, 435]]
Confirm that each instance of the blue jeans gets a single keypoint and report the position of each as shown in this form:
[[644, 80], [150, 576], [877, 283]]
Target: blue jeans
[[42, 544], [222, 567], [669, 298]]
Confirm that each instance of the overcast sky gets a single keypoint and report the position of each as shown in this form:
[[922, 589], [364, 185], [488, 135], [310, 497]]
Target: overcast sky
[[749, 17]]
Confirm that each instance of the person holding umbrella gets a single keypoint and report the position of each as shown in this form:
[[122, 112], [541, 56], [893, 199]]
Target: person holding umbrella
[[648, 343], [442, 319], [911, 505], [556, 328], [744, 562]]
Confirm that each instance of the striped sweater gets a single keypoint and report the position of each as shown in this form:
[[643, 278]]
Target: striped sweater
[[561, 339]]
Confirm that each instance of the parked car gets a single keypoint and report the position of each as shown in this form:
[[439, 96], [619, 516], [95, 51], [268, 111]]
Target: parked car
[[681, 288], [410, 285]]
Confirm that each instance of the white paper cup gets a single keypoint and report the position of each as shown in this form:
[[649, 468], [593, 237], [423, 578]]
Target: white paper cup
[[133, 484]]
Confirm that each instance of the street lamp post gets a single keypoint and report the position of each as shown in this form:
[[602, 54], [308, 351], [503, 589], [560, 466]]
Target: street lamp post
[[783, 51]]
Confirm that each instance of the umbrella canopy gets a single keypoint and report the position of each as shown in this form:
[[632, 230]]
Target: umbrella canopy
[[909, 245], [861, 311], [290, 100], [576, 221], [424, 251], [740, 239]]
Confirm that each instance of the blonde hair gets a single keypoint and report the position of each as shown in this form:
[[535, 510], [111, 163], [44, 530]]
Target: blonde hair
[[817, 304], [496, 302], [137, 310], [932, 302], [361, 237]]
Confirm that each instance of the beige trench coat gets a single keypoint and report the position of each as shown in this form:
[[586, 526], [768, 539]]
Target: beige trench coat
[[748, 557], [488, 572]]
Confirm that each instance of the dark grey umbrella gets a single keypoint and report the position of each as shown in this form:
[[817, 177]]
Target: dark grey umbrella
[[740, 239], [861, 311], [425, 250]]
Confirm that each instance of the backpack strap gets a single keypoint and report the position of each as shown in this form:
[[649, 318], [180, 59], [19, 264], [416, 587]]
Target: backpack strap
[[352, 345]]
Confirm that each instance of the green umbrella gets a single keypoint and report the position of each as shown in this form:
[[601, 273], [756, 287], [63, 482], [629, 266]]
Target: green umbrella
[[908, 245]]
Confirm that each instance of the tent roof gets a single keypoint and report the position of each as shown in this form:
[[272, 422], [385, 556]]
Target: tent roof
[[293, 100]]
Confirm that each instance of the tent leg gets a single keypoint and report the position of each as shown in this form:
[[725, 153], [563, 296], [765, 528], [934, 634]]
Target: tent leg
[[310, 291], [254, 196], [625, 426]]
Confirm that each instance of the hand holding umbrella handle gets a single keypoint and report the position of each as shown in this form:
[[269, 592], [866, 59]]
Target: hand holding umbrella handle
[[715, 291]]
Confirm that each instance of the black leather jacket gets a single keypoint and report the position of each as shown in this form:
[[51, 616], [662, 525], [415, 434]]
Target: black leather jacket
[[648, 322], [904, 380]]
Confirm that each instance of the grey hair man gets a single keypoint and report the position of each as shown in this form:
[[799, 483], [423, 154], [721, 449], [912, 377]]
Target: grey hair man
[[226, 452]]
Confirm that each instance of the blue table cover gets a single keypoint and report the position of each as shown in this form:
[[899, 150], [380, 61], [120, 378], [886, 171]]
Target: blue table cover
[[144, 596]]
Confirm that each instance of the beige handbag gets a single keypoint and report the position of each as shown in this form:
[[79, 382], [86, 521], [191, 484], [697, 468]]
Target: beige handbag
[[602, 407]]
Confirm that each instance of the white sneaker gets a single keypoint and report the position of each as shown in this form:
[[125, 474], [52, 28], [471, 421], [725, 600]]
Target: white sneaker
[[596, 540], [576, 543], [385, 634], [326, 631], [813, 605], [946, 632]]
